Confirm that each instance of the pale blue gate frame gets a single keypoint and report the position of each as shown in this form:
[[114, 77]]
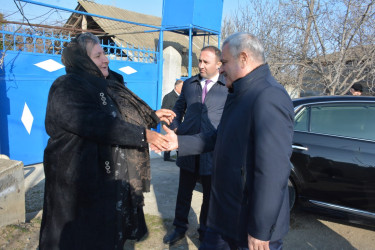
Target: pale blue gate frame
[[160, 55], [191, 29], [23, 83]]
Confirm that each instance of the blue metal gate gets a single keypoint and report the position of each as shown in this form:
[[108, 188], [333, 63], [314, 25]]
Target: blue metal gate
[[31, 63]]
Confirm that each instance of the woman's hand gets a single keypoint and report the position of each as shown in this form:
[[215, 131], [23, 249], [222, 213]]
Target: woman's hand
[[158, 141], [165, 115], [172, 141]]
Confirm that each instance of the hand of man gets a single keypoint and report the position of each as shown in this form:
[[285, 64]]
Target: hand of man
[[255, 244], [165, 115], [157, 141], [172, 138], [154, 148]]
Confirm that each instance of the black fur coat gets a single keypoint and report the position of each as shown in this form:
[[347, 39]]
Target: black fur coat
[[96, 162]]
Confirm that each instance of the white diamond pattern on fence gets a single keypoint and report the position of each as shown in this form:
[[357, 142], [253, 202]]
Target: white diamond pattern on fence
[[27, 118], [128, 70], [49, 65]]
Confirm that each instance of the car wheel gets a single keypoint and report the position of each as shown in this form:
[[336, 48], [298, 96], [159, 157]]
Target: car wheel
[[292, 194]]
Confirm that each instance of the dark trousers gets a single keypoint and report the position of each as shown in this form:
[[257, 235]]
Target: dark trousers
[[167, 155], [214, 241], [186, 186]]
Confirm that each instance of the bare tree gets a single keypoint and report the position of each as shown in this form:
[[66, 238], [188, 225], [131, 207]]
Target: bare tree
[[13, 41], [344, 45], [324, 46]]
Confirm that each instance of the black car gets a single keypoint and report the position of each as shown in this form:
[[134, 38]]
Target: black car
[[333, 160]]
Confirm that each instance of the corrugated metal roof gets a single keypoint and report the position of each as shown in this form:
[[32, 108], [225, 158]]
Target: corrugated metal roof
[[138, 36]]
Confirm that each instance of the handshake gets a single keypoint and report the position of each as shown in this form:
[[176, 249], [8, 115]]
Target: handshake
[[159, 142], [166, 142]]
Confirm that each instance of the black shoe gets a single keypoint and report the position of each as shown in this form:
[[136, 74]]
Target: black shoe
[[170, 159], [173, 237]]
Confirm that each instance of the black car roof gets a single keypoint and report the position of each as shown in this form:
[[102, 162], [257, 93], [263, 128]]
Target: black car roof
[[330, 99]]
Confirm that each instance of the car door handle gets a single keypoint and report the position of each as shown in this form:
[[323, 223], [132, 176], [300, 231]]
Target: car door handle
[[299, 147]]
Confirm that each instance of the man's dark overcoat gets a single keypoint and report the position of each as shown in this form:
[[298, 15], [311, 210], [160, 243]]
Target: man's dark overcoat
[[96, 162], [249, 192], [193, 117], [169, 100]]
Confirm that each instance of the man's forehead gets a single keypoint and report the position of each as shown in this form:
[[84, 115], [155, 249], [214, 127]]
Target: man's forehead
[[207, 52], [225, 55], [207, 55]]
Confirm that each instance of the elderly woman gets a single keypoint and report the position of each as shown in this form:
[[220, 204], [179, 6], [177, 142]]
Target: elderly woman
[[96, 162]]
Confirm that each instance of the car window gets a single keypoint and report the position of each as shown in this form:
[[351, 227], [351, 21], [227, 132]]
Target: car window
[[343, 120], [301, 119]]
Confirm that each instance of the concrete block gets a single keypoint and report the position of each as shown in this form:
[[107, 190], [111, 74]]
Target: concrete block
[[171, 69], [12, 192], [4, 157]]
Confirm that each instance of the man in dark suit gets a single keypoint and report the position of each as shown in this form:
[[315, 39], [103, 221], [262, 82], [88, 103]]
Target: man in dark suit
[[198, 109], [169, 101], [249, 205]]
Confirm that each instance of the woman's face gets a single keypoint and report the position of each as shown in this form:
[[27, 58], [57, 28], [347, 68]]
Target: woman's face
[[98, 57]]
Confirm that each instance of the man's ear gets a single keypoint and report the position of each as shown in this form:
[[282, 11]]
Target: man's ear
[[218, 65], [244, 58]]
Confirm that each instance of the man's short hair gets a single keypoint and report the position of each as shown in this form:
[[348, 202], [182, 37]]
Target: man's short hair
[[357, 87], [214, 49], [178, 82], [243, 41]]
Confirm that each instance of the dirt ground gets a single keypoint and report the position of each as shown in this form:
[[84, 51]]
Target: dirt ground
[[307, 230]]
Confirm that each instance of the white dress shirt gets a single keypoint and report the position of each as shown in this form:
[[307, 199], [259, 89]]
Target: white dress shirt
[[213, 81]]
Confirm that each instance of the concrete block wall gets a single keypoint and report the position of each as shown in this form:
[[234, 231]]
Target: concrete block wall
[[12, 192]]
